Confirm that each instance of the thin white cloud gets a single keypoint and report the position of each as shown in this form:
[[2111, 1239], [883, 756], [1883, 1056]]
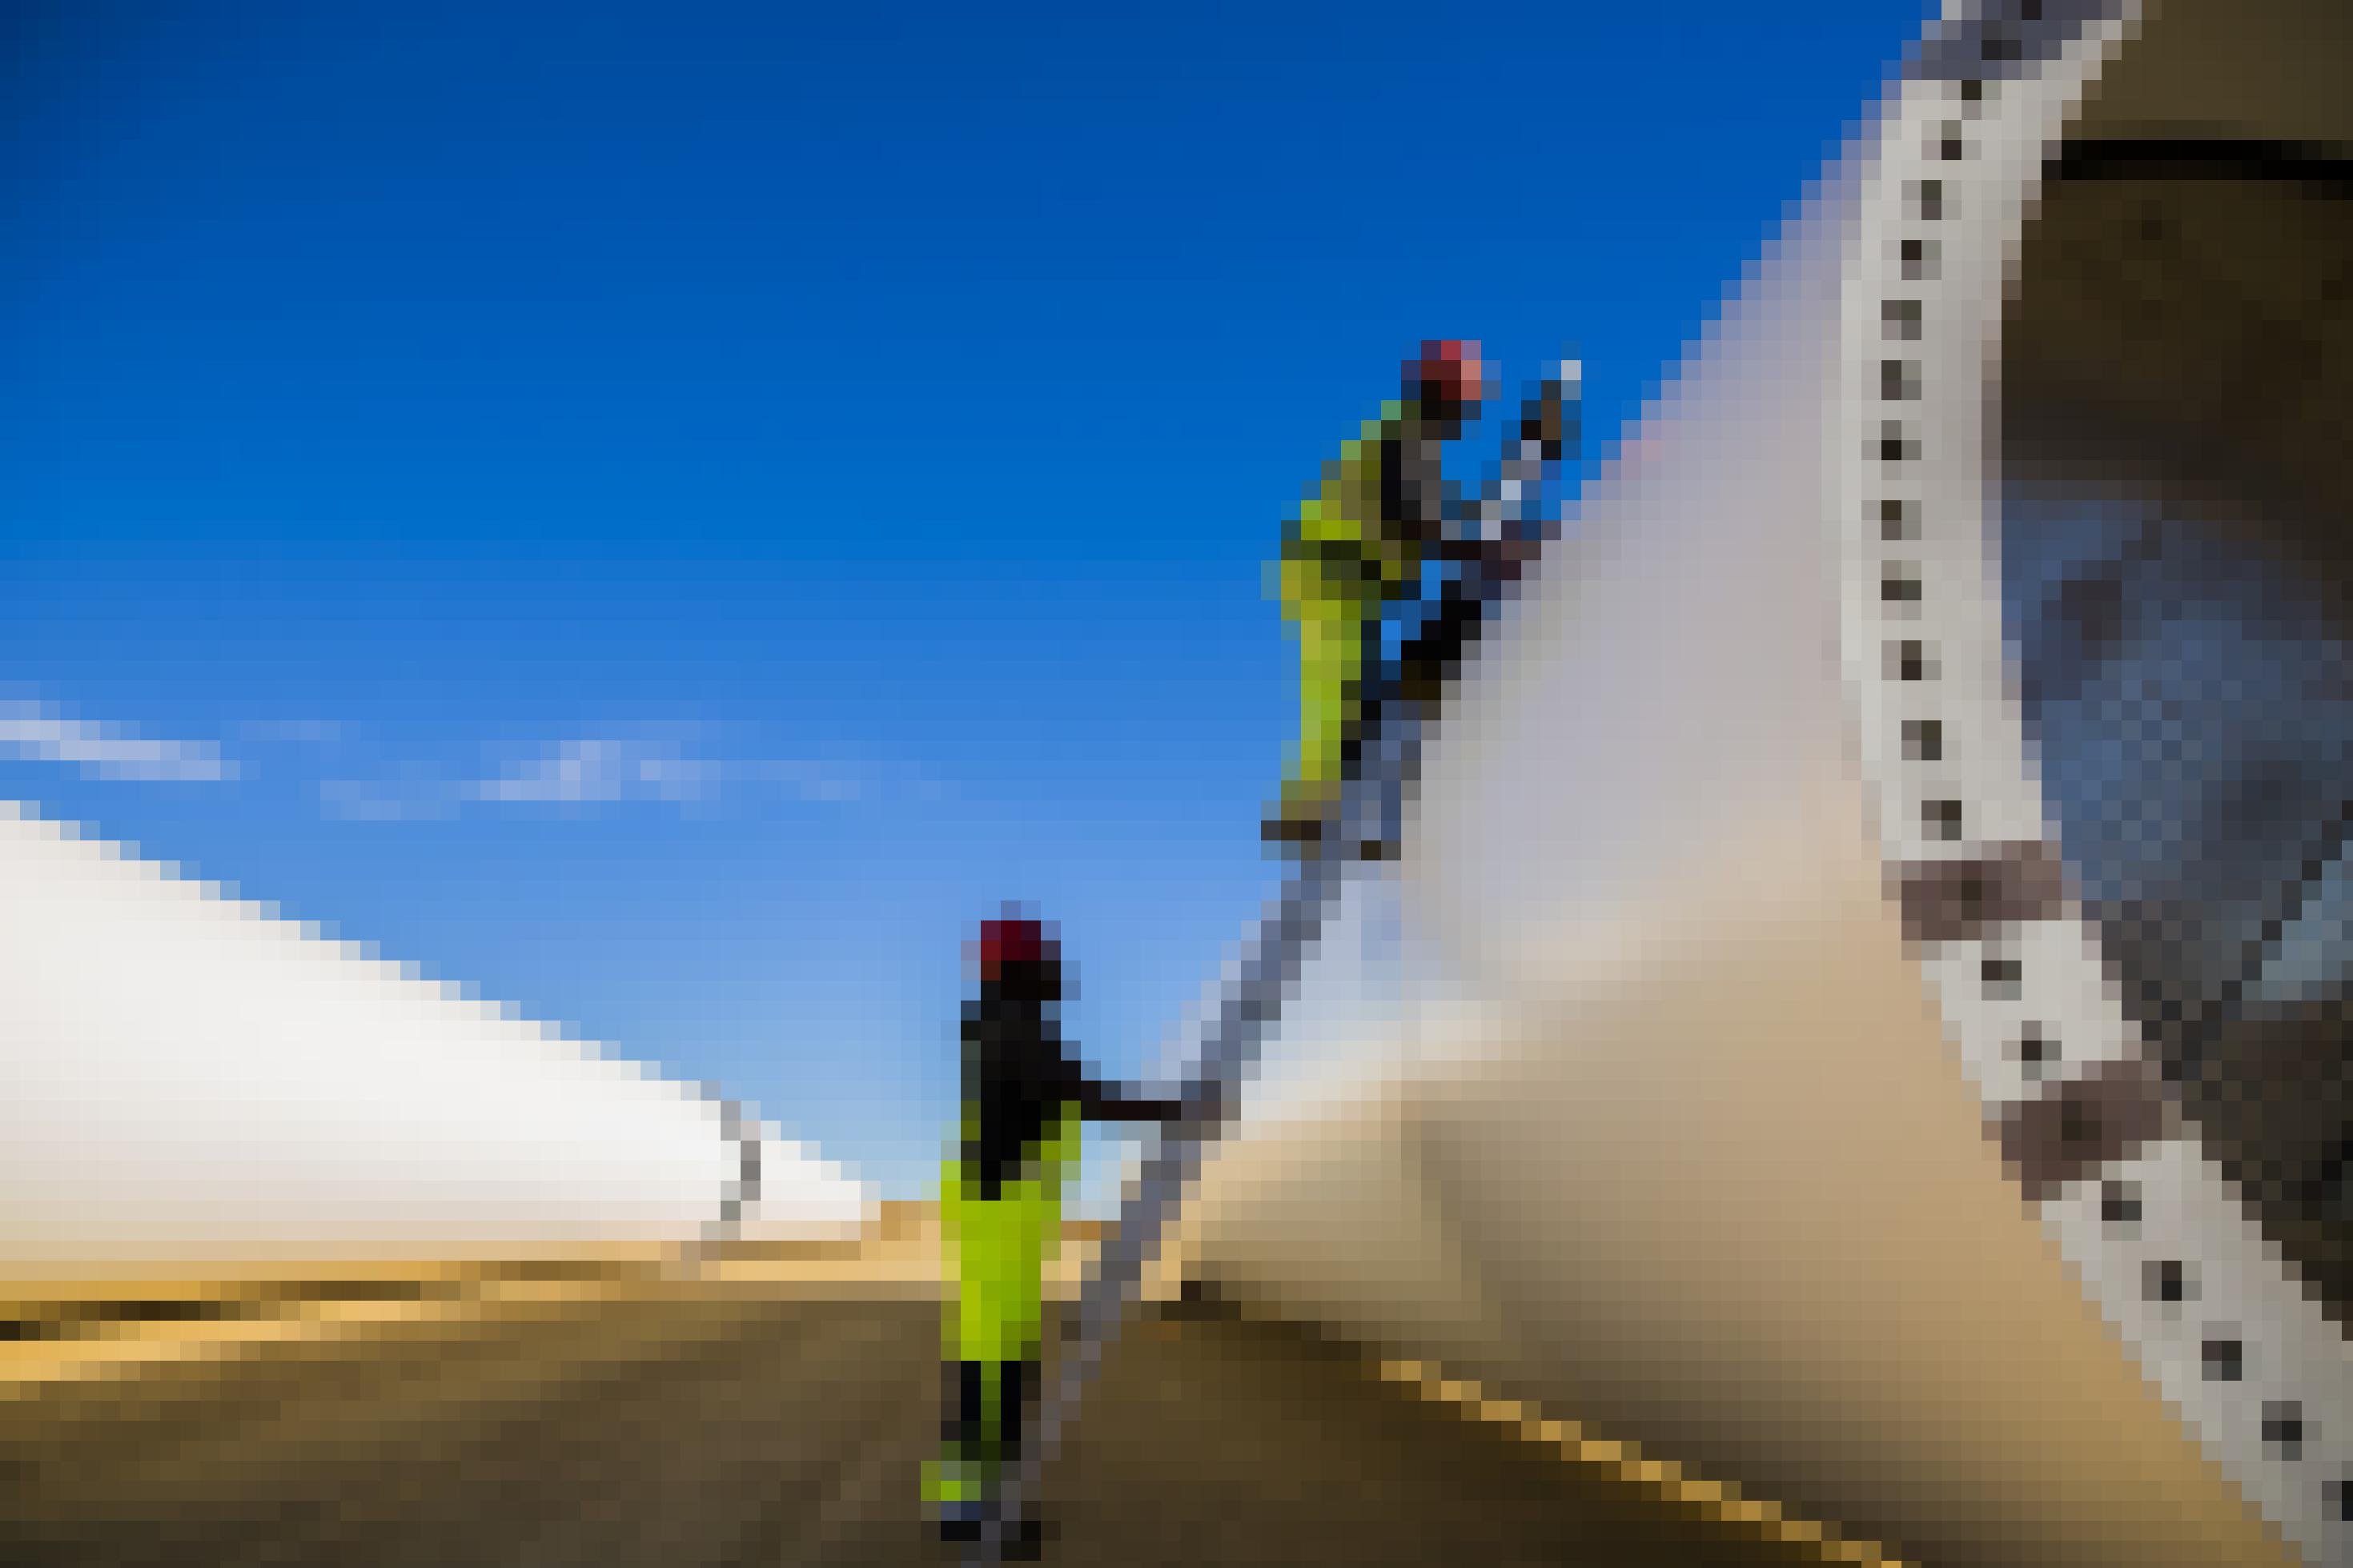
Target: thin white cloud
[[809, 781], [603, 769], [31, 731], [592, 771], [407, 799], [573, 773]]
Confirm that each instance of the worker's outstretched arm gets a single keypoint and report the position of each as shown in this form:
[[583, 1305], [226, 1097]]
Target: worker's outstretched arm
[[1503, 530], [1099, 1099]]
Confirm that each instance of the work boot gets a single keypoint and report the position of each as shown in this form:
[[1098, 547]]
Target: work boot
[[1025, 1539], [1298, 823], [956, 1493]]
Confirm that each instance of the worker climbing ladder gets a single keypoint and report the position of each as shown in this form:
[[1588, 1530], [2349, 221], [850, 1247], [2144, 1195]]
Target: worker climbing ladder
[[1494, 540]]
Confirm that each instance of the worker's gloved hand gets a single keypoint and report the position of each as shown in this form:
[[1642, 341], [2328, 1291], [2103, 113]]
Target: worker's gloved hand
[[1506, 558], [1203, 1106], [1547, 423]]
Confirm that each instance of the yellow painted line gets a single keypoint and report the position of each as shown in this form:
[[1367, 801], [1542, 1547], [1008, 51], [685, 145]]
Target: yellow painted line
[[1717, 1500], [112, 1327], [103, 1351], [107, 1330]]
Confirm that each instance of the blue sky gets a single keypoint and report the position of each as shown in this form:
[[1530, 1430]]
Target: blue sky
[[669, 514]]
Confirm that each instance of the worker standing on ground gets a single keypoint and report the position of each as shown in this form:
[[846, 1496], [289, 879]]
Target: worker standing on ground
[[1355, 548], [1001, 1212]]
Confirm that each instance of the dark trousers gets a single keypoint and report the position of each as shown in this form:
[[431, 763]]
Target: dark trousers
[[986, 1423]]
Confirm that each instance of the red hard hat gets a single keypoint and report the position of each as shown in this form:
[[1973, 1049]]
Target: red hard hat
[[1012, 941]]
